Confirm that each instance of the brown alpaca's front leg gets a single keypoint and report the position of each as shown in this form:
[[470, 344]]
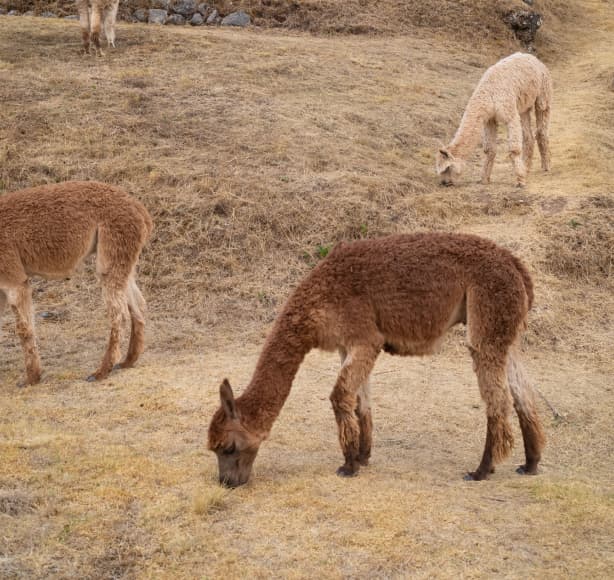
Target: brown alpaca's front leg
[[84, 21], [354, 432], [20, 300], [95, 27]]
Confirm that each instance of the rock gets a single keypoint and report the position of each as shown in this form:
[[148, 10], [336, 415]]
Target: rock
[[2, 10], [141, 14], [71, 17], [157, 16], [175, 19], [212, 19], [184, 7], [29, 13], [524, 23], [203, 8], [197, 19], [13, 13], [48, 15], [236, 19], [161, 4], [529, 2]]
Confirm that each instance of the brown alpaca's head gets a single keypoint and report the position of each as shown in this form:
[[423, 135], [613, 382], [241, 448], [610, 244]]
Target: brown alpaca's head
[[234, 445], [447, 166]]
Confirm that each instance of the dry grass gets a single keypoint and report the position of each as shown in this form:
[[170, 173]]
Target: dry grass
[[254, 150]]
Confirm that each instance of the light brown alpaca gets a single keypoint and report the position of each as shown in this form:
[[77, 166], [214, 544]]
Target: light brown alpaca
[[93, 13], [48, 231], [399, 294], [507, 93]]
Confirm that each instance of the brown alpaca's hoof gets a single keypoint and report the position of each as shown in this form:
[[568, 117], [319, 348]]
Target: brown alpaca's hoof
[[364, 461], [524, 470], [475, 476], [345, 471], [91, 379]]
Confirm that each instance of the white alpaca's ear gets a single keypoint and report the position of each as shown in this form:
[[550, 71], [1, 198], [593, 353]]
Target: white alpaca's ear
[[228, 400]]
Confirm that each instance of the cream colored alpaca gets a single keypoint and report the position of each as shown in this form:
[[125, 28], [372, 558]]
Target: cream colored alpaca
[[399, 294], [507, 93], [48, 231], [91, 14]]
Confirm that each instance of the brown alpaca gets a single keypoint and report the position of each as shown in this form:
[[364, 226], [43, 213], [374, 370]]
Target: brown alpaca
[[93, 13], [48, 231], [507, 93], [399, 294]]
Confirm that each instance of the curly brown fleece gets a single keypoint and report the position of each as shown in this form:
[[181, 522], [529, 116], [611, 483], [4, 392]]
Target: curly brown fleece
[[399, 294], [48, 231]]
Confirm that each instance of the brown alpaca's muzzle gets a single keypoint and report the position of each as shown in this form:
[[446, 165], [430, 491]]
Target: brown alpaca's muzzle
[[235, 468]]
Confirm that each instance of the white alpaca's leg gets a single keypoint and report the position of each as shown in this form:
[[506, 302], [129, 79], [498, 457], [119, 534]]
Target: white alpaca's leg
[[109, 18], [542, 120], [528, 142], [489, 142], [514, 137]]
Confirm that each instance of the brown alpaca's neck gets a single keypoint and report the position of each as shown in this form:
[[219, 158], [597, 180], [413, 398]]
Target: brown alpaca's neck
[[277, 366]]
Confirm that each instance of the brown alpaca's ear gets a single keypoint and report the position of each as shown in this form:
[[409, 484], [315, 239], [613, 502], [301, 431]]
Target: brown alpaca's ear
[[228, 400], [444, 153]]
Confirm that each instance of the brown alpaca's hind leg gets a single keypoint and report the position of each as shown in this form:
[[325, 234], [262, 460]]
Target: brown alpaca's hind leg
[[354, 433], [530, 424], [136, 308], [20, 300], [490, 370]]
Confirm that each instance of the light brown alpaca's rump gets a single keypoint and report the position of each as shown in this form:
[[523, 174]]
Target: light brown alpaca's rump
[[48, 231], [399, 294]]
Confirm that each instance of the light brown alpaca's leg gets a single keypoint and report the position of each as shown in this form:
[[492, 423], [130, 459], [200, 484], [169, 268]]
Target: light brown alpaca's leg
[[528, 142], [117, 306], [84, 21], [344, 398], [542, 120], [514, 137], [490, 370], [109, 18], [136, 307], [20, 300], [96, 18], [524, 403], [365, 419], [489, 142]]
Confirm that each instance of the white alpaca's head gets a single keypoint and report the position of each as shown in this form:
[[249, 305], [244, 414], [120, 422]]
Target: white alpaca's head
[[447, 166]]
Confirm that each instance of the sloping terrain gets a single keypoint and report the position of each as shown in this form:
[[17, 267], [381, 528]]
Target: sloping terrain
[[255, 151]]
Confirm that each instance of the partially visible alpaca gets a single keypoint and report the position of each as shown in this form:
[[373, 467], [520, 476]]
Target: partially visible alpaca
[[507, 93], [93, 13], [398, 294], [48, 231]]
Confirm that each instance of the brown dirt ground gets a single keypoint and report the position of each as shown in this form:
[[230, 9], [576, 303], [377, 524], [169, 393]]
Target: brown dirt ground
[[252, 149]]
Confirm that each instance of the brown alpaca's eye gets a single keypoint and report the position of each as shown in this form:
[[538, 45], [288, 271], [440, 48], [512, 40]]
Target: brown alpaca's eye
[[229, 450]]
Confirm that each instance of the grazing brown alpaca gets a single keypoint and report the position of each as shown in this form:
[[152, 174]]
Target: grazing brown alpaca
[[48, 231], [399, 294], [93, 14]]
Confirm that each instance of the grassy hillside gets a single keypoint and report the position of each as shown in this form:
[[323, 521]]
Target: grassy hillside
[[255, 150]]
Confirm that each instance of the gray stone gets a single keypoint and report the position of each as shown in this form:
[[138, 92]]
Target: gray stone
[[29, 13], [203, 8], [2, 10], [184, 7], [212, 17], [160, 4], [71, 17], [141, 14], [525, 24], [197, 19], [13, 13], [48, 15], [236, 19], [157, 16], [175, 19]]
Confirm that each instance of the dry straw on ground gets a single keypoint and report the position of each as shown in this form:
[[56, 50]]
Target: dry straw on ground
[[255, 151]]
